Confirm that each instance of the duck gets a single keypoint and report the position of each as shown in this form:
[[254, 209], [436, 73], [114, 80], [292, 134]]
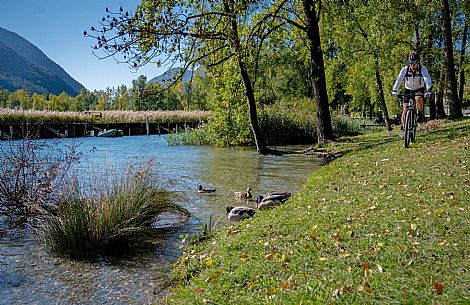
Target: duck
[[244, 195], [282, 196], [240, 212], [271, 200], [202, 190]]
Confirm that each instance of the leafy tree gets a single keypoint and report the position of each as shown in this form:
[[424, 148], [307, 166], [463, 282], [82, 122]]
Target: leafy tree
[[209, 32], [38, 101], [4, 94]]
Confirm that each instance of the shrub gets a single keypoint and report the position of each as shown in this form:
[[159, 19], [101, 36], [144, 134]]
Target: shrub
[[108, 218], [30, 171]]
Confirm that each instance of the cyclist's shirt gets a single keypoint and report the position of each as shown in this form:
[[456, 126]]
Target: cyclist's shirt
[[414, 82]]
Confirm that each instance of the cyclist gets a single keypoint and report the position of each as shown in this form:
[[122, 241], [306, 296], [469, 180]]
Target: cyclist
[[416, 78]]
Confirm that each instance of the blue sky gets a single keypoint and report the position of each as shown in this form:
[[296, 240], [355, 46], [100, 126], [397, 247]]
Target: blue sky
[[56, 28]]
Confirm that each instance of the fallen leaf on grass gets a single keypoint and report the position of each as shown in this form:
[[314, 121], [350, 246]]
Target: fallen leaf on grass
[[284, 285], [270, 256], [438, 287], [381, 270], [367, 270], [313, 236], [244, 258], [198, 290], [272, 291]]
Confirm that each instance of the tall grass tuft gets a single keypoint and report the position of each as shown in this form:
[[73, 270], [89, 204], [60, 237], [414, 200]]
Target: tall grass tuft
[[110, 219]]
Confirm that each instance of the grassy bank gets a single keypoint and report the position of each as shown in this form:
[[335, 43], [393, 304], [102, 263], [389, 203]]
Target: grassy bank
[[380, 225]]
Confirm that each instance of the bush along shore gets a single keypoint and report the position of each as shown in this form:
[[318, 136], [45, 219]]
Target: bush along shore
[[380, 225]]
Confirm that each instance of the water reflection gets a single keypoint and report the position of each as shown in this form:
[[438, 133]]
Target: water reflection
[[28, 274]]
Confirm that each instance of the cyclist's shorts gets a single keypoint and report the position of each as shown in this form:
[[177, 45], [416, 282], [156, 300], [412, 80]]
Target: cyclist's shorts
[[416, 92], [419, 91]]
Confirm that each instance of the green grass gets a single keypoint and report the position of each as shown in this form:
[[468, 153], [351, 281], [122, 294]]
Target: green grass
[[380, 225]]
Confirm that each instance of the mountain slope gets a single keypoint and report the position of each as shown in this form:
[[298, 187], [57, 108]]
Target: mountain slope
[[40, 74], [169, 75]]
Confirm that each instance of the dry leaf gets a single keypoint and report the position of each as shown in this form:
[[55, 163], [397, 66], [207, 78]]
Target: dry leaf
[[313, 236], [438, 287], [209, 262], [272, 291], [381, 270], [270, 256], [284, 285], [367, 270], [244, 258]]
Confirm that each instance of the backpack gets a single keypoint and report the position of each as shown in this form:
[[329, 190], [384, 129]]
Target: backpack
[[418, 74]]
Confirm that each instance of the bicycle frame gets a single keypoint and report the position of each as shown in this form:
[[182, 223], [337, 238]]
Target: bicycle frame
[[410, 122]]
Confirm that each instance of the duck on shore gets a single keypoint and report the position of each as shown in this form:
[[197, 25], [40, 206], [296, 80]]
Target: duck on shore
[[271, 200], [240, 212], [202, 190], [244, 195]]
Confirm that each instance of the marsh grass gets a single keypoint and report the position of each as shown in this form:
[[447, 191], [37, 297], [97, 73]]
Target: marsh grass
[[380, 225], [9, 116], [107, 218]]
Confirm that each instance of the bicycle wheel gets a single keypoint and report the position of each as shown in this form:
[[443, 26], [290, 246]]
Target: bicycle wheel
[[408, 128], [414, 123]]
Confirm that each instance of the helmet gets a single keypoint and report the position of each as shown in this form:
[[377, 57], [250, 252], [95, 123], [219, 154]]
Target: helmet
[[413, 57]]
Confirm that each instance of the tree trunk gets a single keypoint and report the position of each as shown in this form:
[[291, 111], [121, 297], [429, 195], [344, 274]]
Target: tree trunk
[[462, 58], [455, 110], [432, 108], [381, 95], [317, 77], [259, 140], [440, 105]]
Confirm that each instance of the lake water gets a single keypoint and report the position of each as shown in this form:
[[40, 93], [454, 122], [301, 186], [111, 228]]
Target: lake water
[[30, 275]]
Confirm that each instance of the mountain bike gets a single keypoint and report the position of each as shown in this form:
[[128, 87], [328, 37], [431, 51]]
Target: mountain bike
[[410, 122]]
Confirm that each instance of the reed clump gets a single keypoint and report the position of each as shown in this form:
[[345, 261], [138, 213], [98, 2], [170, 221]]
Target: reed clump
[[108, 219]]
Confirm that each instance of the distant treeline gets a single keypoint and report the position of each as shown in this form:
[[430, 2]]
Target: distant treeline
[[140, 97]]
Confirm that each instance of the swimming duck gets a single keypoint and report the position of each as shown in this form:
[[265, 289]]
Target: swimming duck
[[240, 212], [201, 190], [244, 195]]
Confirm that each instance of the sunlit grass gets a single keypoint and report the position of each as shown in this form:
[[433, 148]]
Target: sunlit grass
[[380, 225]]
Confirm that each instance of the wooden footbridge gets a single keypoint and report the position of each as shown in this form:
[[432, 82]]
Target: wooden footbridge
[[75, 130]]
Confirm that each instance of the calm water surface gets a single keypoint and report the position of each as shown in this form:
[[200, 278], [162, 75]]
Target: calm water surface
[[30, 275]]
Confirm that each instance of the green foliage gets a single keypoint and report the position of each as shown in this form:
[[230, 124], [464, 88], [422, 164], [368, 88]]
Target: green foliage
[[109, 218]]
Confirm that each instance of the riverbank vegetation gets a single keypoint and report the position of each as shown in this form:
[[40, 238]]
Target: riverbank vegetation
[[31, 116], [30, 173], [110, 217], [380, 225], [358, 67]]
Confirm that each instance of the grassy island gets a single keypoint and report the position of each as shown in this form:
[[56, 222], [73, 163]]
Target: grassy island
[[380, 225]]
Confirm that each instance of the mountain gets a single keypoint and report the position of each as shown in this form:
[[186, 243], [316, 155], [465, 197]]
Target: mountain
[[167, 76], [24, 66]]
